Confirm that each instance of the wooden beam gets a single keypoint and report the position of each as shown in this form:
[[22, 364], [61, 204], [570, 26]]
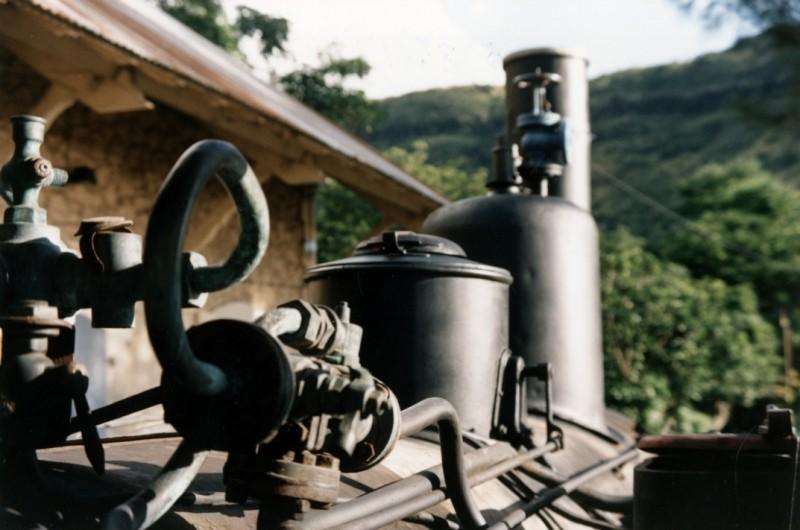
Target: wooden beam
[[50, 106], [115, 94], [53, 103]]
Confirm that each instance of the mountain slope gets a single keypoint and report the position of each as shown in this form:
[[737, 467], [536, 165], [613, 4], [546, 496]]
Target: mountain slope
[[652, 126]]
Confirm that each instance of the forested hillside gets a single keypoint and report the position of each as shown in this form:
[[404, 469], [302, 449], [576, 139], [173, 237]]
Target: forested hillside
[[653, 126]]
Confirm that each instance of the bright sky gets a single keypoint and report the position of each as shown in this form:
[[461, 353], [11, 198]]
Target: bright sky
[[418, 44]]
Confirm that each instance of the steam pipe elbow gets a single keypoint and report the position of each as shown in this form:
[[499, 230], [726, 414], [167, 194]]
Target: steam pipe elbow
[[163, 263], [440, 412]]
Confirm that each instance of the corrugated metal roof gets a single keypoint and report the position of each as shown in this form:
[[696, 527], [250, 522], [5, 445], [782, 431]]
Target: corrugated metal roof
[[149, 34]]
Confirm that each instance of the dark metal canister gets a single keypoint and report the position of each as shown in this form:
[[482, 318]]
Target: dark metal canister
[[551, 248], [435, 323]]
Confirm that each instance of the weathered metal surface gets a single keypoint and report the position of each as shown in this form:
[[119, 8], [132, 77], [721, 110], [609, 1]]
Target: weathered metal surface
[[720, 481]]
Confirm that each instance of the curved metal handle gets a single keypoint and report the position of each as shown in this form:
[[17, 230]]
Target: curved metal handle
[[163, 258]]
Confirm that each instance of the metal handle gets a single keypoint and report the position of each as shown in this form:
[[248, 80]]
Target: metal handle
[[164, 263]]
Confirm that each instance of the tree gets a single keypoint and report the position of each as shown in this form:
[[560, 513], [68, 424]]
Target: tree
[[342, 218], [744, 229], [678, 348], [345, 219], [323, 89], [448, 179], [762, 13], [208, 18]]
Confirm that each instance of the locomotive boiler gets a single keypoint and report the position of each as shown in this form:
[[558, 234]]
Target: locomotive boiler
[[450, 378]]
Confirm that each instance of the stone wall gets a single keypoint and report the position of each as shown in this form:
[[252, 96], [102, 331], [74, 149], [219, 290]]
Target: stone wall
[[124, 159]]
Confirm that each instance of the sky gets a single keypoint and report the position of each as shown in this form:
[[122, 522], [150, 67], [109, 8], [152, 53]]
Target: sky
[[419, 44]]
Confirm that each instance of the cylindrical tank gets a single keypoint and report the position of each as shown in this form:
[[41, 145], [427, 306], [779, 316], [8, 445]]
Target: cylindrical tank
[[435, 323], [548, 243], [570, 99], [550, 246]]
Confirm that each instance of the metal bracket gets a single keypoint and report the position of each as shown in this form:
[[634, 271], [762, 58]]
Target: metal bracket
[[511, 408]]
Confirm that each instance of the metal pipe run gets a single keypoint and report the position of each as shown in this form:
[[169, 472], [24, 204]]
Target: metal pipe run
[[152, 502], [118, 409], [401, 492], [586, 496], [164, 263], [404, 510], [548, 496], [441, 413]]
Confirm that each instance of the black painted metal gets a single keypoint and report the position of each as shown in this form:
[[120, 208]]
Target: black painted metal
[[164, 282], [570, 99], [722, 491], [548, 243], [551, 248], [435, 323]]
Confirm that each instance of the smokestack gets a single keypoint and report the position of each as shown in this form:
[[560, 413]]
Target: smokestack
[[536, 223], [568, 97]]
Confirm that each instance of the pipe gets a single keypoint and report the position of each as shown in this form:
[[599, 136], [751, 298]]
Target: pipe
[[280, 320], [582, 495], [118, 409], [164, 264], [548, 496], [402, 510], [440, 412], [399, 492], [153, 501]]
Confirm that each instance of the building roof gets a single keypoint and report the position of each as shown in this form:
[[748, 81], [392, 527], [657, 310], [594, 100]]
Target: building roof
[[135, 47]]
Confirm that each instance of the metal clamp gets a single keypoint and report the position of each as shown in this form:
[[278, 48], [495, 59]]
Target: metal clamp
[[511, 410]]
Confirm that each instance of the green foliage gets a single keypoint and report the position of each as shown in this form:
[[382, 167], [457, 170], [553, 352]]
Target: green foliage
[[207, 17], [653, 127], [447, 179], [323, 89], [271, 32], [676, 346], [343, 219], [745, 229]]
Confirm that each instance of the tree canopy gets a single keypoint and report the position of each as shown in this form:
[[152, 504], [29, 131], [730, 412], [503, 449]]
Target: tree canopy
[[678, 347], [744, 228]]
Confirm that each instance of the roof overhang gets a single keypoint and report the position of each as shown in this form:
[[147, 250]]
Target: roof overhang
[[117, 55]]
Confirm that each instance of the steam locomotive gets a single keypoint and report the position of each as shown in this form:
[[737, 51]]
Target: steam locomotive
[[451, 378]]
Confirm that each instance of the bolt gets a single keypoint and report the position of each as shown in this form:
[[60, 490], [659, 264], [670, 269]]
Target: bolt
[[42, 168], [306, 458], [6, 408], [327, 461]]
